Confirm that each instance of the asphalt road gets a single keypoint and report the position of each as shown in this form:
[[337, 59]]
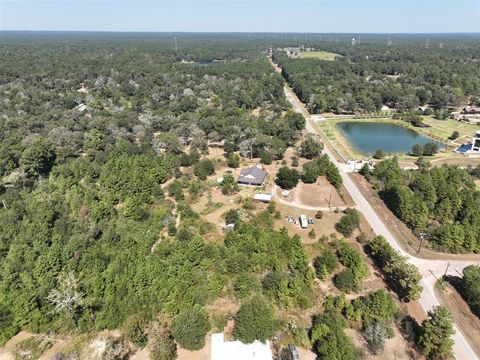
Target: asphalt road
[[429, 269]]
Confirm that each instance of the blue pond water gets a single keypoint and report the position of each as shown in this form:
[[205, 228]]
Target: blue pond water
[[367, 137]]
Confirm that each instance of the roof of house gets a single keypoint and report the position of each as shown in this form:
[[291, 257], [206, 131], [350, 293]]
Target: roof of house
[[236, 350], [262, 197], [253, 175]]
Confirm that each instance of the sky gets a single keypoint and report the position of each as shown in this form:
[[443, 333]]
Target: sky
[[317, 16]]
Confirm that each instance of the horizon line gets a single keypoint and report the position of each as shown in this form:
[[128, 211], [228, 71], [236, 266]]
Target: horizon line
[[239, 32]]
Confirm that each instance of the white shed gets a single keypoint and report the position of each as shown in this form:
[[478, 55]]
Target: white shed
[[266, 198]]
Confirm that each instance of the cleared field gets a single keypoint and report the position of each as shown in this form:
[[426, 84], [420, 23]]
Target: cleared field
[[321, 55]]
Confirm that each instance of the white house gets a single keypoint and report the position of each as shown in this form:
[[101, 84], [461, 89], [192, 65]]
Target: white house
[[236, 350]]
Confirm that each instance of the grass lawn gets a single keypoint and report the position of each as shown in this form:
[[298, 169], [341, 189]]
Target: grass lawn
[[444, 128], [321, 55]]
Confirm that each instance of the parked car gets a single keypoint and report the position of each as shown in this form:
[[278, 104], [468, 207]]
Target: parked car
[[311, 221]]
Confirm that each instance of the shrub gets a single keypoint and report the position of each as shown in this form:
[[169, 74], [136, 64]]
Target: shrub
[[161, 344], [326, 259], [455, 135], [135, 329], [319, 215], [379, 154], [346, 281], [348, 223]]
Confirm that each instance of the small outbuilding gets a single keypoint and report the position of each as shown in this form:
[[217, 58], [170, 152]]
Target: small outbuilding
[[265, 198], [252, 176]]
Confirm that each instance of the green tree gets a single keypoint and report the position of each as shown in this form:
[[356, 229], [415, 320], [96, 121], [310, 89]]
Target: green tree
[[311, 147], [436, 334], [417, 150], [255, 320], [266, 158], [233, 160], [287, 178], [190, 328], [471, 282], [430, 149], [204, 168], [39, 157]]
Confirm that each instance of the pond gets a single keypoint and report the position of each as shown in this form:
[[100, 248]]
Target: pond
[[367, 137]]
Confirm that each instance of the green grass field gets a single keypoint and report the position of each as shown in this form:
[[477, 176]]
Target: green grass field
[[321, 55], [444, 128]]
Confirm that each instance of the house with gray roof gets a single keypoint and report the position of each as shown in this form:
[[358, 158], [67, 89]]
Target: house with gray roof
[[252, 176]]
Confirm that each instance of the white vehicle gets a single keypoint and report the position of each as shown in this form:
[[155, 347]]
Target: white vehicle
[[303, 221]]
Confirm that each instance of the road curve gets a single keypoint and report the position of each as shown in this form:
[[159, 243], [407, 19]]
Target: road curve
[[429, 269]]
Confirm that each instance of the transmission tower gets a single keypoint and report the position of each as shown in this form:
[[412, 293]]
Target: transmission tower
[[427, 44], [176, 46]]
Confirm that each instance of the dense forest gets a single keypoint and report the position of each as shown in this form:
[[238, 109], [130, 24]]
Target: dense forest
[[442, 201], [90, 132], [104, 147], [363, 78]]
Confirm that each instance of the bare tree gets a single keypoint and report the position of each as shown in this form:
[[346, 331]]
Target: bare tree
[[67, 297]]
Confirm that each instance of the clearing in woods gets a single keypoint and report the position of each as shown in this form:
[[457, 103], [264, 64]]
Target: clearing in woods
[[321, 55]]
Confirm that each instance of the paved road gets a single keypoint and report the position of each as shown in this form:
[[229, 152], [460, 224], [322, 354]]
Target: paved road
[[429, 269]]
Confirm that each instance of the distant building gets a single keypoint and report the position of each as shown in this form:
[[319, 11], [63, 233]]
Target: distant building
[[236, 350], [472, 148], [476, 142], [82, 107], [253, 176], [266, 198], [473, 110]]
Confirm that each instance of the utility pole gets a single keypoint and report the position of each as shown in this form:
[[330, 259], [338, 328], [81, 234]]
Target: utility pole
[[422, 239], [448, 265]]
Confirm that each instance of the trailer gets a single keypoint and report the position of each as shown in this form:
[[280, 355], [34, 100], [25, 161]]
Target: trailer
[[303, 221]]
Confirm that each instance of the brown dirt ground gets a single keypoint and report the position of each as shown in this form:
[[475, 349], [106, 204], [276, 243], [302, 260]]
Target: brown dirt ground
[[468, 322], [396, 348], [318, 194], [6, 351]]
